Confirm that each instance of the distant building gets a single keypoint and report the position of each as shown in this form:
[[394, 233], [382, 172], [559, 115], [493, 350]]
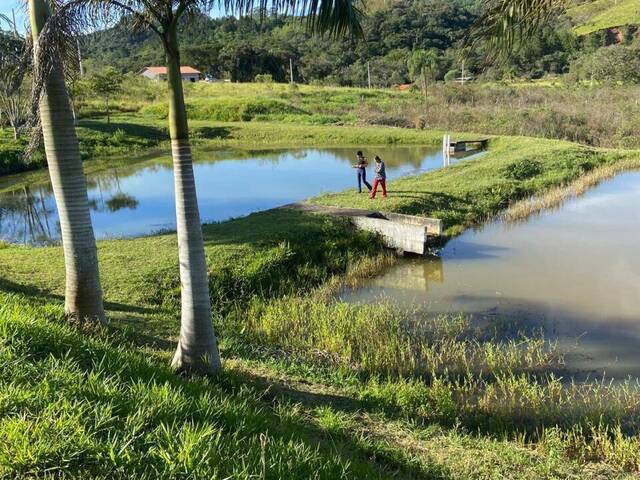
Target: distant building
[[189, 74]]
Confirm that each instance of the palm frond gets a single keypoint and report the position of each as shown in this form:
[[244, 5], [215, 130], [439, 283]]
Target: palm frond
[[506, 24]]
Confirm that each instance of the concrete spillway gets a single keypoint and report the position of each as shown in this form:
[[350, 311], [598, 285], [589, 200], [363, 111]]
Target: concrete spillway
[[404, 233]]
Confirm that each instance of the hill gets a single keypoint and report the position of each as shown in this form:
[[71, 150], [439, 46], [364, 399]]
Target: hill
[[240, 49], [593, 16]]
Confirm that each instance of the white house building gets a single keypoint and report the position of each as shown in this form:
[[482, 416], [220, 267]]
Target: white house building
[[189, 74]]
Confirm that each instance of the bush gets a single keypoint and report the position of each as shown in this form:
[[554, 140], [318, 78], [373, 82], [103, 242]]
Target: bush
[[523, 169], [616, 63], [450, 76], [12, 160], [264, 78]]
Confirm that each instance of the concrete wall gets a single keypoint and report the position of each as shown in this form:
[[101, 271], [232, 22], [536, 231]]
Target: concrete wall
[[400, 236]]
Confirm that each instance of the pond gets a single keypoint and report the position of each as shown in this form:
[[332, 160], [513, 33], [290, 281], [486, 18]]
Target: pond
[[138, 199], [574, 272]]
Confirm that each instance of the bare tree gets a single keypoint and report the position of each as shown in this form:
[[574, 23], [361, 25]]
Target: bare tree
[[15, 61]]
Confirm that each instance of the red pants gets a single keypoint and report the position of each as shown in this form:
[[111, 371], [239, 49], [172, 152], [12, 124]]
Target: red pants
[[382, 183]]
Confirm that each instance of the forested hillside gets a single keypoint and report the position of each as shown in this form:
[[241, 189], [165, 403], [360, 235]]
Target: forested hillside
[[240, 49]]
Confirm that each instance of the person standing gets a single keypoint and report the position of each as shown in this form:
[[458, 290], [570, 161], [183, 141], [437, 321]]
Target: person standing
[[361, 170], [380, 178]]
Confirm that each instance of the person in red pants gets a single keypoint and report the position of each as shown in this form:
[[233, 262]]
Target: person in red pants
[[379, 179]]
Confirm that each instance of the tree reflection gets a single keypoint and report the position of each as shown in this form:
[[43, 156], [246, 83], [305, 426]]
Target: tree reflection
[[25, 217], [118, 201]]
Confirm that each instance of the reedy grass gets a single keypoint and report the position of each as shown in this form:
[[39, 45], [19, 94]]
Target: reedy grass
[[381, 339], [555, 197]]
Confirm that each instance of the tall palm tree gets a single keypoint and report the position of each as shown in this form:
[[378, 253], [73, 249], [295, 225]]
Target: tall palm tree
[[197, 349], [83, 292], [423, 64]]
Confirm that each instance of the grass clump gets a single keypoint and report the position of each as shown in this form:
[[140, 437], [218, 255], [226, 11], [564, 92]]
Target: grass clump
[[381, 339]]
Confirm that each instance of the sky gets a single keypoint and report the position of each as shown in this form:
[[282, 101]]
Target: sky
[[7, 5]]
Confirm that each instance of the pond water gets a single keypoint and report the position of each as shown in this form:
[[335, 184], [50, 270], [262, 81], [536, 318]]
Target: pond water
[[574, 272], [138, 199]]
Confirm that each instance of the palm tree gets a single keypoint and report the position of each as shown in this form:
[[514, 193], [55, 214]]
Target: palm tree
[[83, 292], [423, 64], [507, 23], [197, 349]]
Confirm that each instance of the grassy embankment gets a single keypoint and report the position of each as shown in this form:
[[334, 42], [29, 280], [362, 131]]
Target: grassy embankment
[[600, 14], [383, 390]]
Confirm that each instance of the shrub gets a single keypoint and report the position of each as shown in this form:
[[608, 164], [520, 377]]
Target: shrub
[[264, 78], [450, 76], [523, 169]]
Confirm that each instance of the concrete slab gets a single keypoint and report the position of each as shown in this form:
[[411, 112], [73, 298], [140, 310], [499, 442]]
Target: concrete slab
[[405, 233]]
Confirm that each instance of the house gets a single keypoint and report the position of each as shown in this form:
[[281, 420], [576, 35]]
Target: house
[[189, 74]]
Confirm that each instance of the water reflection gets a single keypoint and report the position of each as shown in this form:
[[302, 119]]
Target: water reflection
[[27, 215], [138, 199], [574, 272]]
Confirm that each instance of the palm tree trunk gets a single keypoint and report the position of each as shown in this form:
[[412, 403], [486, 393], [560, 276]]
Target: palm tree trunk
[[83, 293], [197, 350]]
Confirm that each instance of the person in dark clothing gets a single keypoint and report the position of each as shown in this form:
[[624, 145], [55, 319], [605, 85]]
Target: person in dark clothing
[[361, 170], [380, 178]]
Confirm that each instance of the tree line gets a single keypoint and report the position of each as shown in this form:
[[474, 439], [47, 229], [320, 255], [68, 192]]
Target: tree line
[[240, 49]]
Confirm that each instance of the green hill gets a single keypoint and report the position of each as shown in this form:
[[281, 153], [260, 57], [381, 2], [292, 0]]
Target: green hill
[[597, 15]]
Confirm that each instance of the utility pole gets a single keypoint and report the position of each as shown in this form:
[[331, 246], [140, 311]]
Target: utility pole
[[291, 69], [462, 78], [80, 65], [369, 74]]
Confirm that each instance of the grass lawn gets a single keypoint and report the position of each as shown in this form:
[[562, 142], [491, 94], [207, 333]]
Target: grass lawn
[[313, 388]]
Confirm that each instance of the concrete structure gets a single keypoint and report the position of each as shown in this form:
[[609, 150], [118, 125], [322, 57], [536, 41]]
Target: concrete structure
[[404, 233], [461, 147], [189, 74]]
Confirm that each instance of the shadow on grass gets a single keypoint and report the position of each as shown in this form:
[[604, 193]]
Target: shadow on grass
[[213, 133], [130, 129], [38, 296], [223, 401]]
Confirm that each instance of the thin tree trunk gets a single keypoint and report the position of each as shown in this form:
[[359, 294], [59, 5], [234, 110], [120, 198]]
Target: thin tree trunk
[[83, 293], [424, 83], [197, 350]]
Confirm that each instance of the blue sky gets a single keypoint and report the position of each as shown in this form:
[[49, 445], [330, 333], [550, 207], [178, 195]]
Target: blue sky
[[7, 5], [17, 5]]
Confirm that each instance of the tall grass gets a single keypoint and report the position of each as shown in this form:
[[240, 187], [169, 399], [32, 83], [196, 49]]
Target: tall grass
[[383, 339], [600, 115], [555, 197]]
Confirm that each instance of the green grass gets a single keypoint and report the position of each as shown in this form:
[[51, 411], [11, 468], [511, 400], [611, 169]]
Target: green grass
[[597, 15], [92, 405], [311, 386], [472, 191]]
